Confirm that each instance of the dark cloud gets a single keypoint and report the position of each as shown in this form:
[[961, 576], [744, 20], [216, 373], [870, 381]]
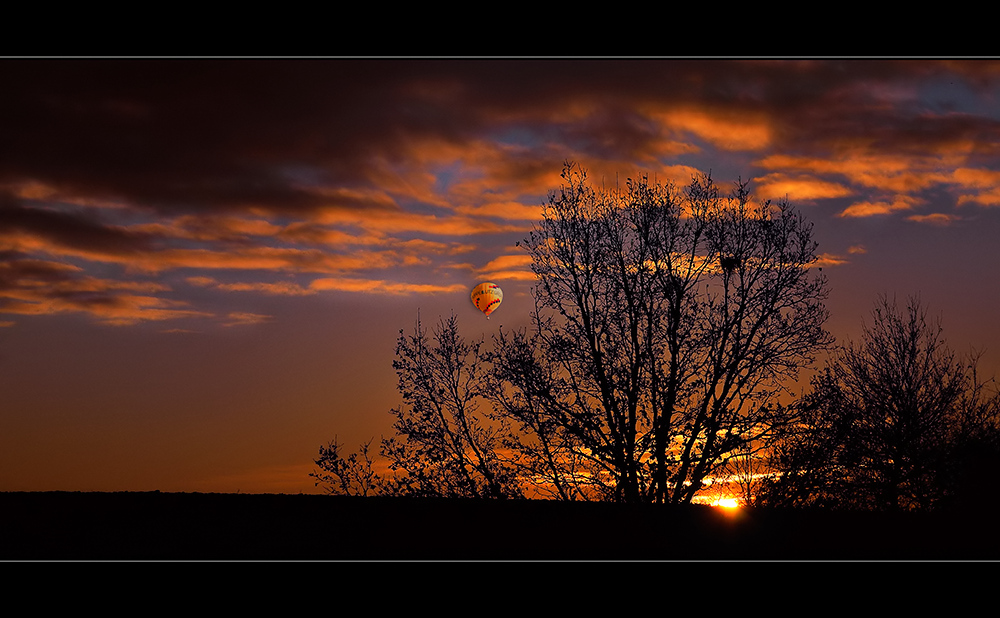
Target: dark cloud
[[16, 268], [82, 232], [177, 134], [236, 134]]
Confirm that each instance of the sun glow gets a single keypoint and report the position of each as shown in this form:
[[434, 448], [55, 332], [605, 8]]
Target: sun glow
[[726, 503]]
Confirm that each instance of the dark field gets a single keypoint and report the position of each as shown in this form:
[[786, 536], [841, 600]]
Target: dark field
[[193, 526]]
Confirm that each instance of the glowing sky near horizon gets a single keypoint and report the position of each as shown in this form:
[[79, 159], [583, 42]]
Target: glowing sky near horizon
[[204, 264]]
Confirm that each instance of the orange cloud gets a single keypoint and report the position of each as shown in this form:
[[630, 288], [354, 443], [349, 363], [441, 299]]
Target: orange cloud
[[986, 180], [420, 246], [937, 218], [986, 198], [36, 191], [870, 209], [608, 173], [978, 178], [897, 173], [857, 249], [283, 288], [241, 318], [405, 221], [378, 286], [264, 258], [680, 175], [828, 259], [508, 267], [510, 275], [309, 232], [725, 130], [776, 186], [212, 227], [201, 281]]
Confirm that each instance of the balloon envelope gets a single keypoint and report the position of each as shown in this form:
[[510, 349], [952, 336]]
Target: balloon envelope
[[486, 297]]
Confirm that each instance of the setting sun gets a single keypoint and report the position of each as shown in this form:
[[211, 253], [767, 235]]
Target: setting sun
[[726, 503]]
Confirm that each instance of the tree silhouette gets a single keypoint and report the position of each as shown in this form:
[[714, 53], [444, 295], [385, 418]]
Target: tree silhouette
[[666, 324], [445, 446], [351, 475], [889, 422]]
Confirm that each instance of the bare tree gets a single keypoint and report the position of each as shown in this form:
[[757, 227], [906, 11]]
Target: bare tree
[[666, 324], [887, 421], [444, 444]]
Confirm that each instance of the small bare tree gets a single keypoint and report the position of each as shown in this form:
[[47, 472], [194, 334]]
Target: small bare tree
[[887, 420], [348, 476], [445, 445]]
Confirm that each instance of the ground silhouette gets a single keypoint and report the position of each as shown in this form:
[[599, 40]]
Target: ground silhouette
[[207, 526]]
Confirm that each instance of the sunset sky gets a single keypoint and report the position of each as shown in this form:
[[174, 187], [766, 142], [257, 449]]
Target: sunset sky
[[205, 263]]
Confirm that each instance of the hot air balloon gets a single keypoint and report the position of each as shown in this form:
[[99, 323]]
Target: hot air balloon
[[486, 297]]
